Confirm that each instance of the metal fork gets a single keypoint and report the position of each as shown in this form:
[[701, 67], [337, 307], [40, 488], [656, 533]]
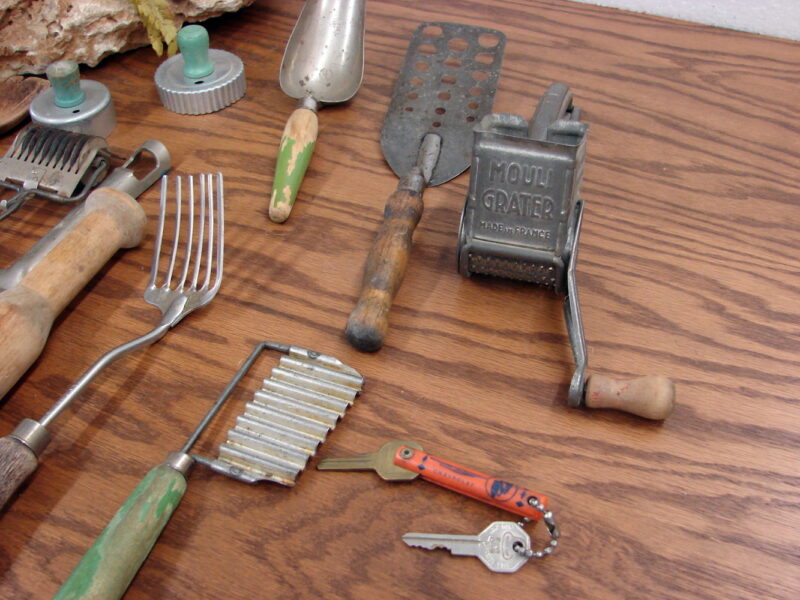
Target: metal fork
[[183, 290]]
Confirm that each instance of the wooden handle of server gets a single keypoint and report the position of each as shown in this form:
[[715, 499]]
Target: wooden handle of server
[[473, 484], [649, 397], [17, 463], [106, 570], [111, 220], [384, 271], [294, 154]]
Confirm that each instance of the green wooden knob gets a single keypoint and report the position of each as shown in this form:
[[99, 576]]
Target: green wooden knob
[[193, 43], [65, 78]]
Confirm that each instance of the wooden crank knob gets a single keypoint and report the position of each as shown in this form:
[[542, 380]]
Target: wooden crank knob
[[649, 397]]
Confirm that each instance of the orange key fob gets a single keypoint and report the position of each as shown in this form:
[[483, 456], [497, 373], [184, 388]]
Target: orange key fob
[[471, 483]]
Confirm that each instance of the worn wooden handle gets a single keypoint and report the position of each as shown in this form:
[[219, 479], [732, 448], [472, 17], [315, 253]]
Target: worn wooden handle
[[384, 271], [294, 154], [470, 483], [17, 463], [111, 220], [107, 569], [649, 397]]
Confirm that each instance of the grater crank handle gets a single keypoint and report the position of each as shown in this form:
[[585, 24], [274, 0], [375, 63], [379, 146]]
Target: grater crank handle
[[472, 484], [109, 566], [386, 263], [294, 154]]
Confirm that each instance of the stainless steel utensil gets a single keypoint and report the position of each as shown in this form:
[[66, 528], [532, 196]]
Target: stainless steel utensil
[[52, 163], [186, 286], [323, 64]]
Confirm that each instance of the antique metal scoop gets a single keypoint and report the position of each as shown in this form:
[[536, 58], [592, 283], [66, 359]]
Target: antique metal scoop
[[323, 64]]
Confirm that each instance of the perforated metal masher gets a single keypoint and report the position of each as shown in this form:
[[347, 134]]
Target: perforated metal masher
[[279, 431], [522, 220], [51, 163]]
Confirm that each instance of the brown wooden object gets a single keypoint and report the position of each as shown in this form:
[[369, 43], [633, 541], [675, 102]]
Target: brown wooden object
[[16, 95], [384, 270], [111, 220]]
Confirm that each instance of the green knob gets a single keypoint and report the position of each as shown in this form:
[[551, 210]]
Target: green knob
[[65, 78], [193, 43]]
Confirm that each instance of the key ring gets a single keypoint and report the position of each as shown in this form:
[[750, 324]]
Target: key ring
[[550, 523]]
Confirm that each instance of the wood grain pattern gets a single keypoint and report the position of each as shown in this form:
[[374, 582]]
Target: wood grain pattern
[[688, 268], [17, 462]]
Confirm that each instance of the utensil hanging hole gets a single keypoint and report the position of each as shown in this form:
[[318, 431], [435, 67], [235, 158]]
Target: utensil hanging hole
[[488, 40], [76, 111], [476, 91], [444, 95], [417, 81], [199, 81], [437, 124], [439, 111], [452, 63], [432, 31], [421, 66], [480, 75], [485, 58], [413, 96], [427, 49], [473, 105], [457, 45], [448, 79]]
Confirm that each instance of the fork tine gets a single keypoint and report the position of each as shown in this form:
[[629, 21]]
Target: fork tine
[[159, 232], [220, 228], [200, 237], [176, 241], [188, 258], [210, 246]]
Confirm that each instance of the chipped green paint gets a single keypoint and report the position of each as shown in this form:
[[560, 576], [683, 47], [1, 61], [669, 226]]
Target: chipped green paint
[[293, 159], [107, 569]]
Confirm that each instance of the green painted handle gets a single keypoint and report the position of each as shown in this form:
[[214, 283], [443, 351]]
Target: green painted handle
[[107, 569], [193, 44], [297, 146]]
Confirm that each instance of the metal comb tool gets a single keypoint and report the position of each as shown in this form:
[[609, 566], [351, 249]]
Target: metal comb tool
[[280, 430], [51, 163], [448, 82], [522, 220]]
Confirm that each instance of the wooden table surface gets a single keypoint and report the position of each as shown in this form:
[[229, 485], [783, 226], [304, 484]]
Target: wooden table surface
[[688, 268]]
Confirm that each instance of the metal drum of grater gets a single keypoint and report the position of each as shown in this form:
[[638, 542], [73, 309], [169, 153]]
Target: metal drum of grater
[[522, 221]]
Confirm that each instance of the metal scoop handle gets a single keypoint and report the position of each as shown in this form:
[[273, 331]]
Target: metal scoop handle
[[294, 154]]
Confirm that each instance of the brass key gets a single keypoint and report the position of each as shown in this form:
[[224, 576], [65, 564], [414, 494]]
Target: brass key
[[382, 462]]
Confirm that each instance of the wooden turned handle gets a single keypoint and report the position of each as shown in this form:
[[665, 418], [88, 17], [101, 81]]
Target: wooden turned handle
[[384, 271], [294, 154], [106, 570], [473, 484], [111, 220], [649, 397], [17, 463]]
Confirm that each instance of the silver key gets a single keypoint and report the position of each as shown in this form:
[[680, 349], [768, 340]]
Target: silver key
[[494, 545]]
